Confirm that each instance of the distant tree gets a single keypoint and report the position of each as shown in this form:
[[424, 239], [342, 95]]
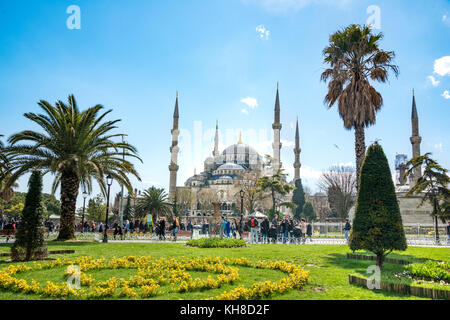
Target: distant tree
[[339, 182], [308, 212], [185, 199], [298, 198], [275, 185], [252, 198], [29, 242], [432, 186], [128, 212], [96, 210], [377, 225], [154, 202]]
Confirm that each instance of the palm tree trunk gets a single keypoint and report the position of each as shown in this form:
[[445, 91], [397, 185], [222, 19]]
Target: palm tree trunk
[[69, 192], [360, 151]]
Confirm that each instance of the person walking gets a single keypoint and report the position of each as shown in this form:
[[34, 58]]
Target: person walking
[[227, 229], [264, 230], [309, 231], [285, 229], [276, 226], [304, 229], [175, 226], [347, 229], [448, 233], [253, 230], [162, 230], [222, 227], [291, 230]]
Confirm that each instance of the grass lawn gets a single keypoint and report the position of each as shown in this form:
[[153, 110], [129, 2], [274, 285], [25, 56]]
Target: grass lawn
[[327, 264]]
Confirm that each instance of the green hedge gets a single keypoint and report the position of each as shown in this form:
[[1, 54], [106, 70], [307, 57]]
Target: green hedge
[[216, 243], [431, 270]]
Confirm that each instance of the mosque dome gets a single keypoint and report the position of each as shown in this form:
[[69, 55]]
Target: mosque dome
[[230, 166]]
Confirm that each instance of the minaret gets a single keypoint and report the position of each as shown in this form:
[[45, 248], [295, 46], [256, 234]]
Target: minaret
[[415, 138], [276, 126], [297, 151], [174, 149], [216, 141]]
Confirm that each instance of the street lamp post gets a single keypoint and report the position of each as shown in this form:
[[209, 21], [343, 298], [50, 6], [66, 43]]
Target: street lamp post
[[109, 183], [84, 205], [242, 201]]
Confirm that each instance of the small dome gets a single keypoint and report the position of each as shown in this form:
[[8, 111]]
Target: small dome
[[226, 177], [230, 166], [209, 160]]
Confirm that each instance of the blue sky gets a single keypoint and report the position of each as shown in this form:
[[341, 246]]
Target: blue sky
[[132, 56]]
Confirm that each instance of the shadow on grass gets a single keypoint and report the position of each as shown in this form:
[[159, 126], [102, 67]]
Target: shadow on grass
[[359, 267]]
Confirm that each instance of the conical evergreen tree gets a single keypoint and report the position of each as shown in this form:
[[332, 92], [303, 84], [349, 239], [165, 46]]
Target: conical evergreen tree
[[298, 198], [30, 244], [127, 214], [308, 212], [377, 226]]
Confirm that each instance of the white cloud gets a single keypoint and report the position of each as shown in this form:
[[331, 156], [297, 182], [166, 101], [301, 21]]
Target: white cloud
[[433, 81], [244, 111], [252, 103], [262, 32], [446, 19], [446, 94], [287, 144], [438, 146], [442, 66]]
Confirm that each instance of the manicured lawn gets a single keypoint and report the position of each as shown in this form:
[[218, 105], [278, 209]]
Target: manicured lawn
[[328, 266]]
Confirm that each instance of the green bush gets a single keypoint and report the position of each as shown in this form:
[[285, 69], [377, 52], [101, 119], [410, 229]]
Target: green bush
[[377, 225], [29, 244], [431, 270], [216, 243]]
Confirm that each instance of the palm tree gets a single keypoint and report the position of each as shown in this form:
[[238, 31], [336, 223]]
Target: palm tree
[[432, 185], [275, 185], [6, 190], [76, 147], [155, 202], [354, 58]]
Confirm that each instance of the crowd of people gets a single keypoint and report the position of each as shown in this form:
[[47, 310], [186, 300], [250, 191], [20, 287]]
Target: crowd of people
[[288, 230]]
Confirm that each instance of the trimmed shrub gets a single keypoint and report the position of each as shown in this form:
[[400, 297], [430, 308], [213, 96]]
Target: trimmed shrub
[[377, 226], [30, 244], [216, 243]]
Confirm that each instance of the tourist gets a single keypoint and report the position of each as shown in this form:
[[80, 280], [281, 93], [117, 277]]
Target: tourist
[[304, 229], [175, 226], [234, 227], [309, 231], [10, 229], [285, 229], [162, 229], [253, 231], [448, 233], [291, 230], [117, 230], [347, 229], [189, 226], [222, 226], [241, 227], [227, 229], [264, 230]]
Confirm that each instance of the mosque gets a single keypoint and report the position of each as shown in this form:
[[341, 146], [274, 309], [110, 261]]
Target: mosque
[[226, 171]]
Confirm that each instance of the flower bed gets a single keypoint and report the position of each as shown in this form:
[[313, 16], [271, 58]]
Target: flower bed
[[151, 275], [216, 243], [430, 270]]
